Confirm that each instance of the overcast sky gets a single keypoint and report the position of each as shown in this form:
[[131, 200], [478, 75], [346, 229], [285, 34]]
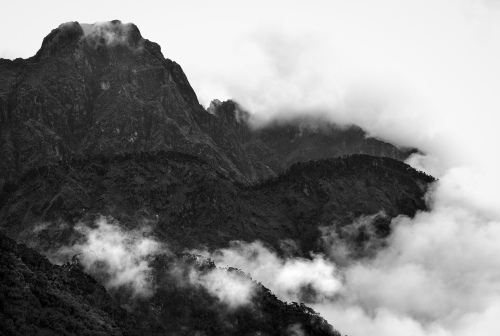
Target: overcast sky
[[422, 73]]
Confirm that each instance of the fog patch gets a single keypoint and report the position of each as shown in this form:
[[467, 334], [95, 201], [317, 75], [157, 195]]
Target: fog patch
[[115, 256], [235, 289], [112, 34], [122, 259], [294, 279], [347, 243], [295, 330]]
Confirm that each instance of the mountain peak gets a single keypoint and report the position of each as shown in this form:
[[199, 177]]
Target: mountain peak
[[228, 111], [97, 35]]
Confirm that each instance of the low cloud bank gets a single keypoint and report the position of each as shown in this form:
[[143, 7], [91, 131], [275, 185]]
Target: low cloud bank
[[343, 250], [438, 273]]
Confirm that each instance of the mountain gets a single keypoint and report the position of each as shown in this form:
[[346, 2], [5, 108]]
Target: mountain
[[104, 89], [99, 126]]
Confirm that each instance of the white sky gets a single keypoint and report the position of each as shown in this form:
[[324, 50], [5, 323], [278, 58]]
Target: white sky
[[422, 73]]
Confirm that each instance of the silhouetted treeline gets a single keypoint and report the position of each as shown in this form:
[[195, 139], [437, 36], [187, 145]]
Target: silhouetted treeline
[[326, 168], [79, 161], [193, 203]]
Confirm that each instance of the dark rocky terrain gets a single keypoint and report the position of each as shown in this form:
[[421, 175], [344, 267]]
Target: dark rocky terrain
[[98, 124]]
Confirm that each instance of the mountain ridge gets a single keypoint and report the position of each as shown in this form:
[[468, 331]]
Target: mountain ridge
[[109, 90]]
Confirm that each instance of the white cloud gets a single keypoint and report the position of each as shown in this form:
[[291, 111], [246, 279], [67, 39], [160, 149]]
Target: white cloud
[[290, 279], [119, 257], [230, 288]]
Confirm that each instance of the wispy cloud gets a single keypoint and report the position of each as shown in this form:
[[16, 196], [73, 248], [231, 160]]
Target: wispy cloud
[[294, 279], [116, 256]]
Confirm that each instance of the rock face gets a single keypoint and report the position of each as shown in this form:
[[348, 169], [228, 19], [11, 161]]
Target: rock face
[[104, 89]]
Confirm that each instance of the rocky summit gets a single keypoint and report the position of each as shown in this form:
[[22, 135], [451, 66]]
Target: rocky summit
[[111, 169]]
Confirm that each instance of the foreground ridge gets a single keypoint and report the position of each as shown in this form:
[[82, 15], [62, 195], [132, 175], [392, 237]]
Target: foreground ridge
[[39, 297]]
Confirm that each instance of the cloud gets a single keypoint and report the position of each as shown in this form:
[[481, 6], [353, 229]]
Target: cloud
[[112, 34], [439, 266], [294, 279], [295, 330], [121, 259], [393, 68], [343, 245], [118, 257], [232, 288]]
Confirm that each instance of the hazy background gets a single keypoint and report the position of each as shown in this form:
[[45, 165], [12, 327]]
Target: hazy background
[[416, 73]]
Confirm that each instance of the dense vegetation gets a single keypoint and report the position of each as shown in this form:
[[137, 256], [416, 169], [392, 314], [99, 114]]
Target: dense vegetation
[[38, 298], [192, 204]]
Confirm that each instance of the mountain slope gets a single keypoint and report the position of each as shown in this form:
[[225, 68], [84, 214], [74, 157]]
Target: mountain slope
[[190, 204], [38, 298]]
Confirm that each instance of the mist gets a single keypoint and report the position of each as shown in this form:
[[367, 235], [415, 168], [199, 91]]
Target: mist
[[117, 257], [291, 279], [121, 259]]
